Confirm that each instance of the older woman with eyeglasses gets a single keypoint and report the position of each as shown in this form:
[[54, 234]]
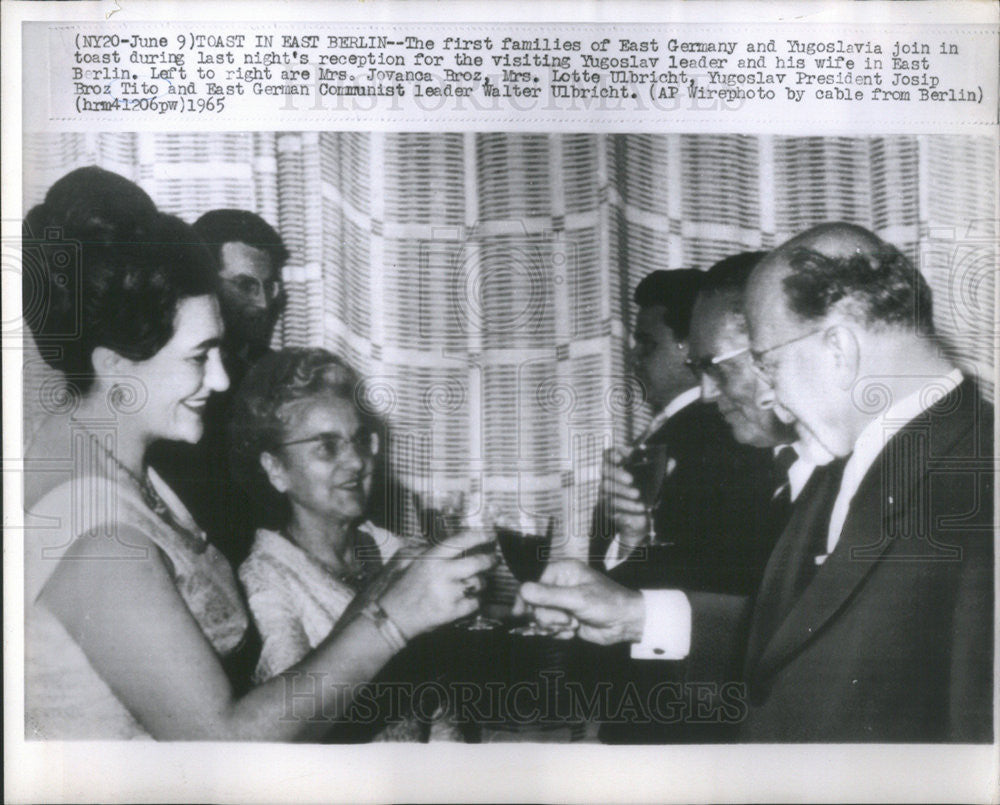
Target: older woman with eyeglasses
[[306, 451]]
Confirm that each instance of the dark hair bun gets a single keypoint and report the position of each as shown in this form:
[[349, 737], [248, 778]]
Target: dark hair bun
[[86, 209], [103, 268]]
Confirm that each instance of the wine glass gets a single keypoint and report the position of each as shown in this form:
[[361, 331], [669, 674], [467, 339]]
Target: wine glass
[[641, 465], [526, 549], [442, 513]]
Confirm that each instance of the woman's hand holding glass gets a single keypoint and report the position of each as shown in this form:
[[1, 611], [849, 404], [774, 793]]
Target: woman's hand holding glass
[[439, 585]]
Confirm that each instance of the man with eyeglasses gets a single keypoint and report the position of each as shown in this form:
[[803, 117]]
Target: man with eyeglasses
[[720, 359], [874, 619], [696, 470], [695, 526], [251, 255]]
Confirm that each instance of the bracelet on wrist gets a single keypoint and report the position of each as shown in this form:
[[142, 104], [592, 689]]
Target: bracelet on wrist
[[385, 625]]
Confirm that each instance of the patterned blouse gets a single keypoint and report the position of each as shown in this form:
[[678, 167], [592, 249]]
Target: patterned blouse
[[296, 602], [294, 599]]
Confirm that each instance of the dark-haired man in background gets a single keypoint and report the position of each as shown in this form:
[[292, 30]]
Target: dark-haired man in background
[[713, 491], [720, 358], [251, 255], [700, 473]]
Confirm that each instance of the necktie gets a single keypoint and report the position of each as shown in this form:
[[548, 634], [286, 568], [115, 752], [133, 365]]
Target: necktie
[[795, 561], [815, 536], [779, 507], [783, 460]]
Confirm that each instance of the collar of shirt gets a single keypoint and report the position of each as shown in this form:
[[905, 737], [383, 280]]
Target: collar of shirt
[[873, 440], [800, 471], [677, 404], [281, 547]]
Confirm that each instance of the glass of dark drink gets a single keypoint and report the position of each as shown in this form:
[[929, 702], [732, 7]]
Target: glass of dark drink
[[641, 465], [526, 552]]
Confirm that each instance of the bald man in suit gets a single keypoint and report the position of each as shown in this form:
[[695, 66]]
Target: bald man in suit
[[874, 619]]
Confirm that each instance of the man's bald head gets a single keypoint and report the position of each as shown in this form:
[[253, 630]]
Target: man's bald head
[[825, 311], [846, 269]]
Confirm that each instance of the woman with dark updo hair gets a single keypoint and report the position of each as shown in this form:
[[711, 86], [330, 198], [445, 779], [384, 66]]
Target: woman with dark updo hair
[[129, 610]]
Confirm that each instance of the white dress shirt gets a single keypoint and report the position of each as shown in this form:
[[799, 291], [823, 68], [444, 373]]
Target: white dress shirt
[[666, 632], [873, 440], [667, 629]]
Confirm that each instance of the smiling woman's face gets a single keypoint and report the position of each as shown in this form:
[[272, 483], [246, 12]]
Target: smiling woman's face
[[177, 381], [328, 476]]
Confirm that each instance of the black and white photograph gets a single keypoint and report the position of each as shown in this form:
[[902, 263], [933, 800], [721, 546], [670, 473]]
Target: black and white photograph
[[629, 444]]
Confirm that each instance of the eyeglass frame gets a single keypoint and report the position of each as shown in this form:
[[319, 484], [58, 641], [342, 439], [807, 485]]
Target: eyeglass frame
[[365, 443], [703, 366], [271, 289], [757, 355]]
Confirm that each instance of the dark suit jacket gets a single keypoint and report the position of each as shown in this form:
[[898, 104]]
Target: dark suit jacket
[[715, 508], [893, 638]]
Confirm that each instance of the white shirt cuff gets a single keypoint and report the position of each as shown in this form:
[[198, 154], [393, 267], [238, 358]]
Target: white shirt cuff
[[666, 632]]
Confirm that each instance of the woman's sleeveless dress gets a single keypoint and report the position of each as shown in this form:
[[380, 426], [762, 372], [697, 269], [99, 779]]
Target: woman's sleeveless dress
[[65, 698]]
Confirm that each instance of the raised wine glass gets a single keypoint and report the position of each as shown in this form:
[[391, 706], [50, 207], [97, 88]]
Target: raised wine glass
[[442, 513], [641, 465], [526, 549]]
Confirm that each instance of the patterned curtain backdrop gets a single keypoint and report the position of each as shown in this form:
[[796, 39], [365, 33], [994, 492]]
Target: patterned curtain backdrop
[[482, 282]]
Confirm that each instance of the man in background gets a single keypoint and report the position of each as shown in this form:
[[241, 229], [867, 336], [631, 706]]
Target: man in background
[[251, 255], [720, 359], [699, 479], [720, 502]]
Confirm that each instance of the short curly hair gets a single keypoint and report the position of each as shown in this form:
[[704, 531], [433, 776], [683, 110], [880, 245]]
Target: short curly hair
[[881, 289], [109, 280], [262, 409]]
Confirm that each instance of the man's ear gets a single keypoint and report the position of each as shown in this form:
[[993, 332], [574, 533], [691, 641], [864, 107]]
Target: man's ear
[[843, 345], [275, 471]]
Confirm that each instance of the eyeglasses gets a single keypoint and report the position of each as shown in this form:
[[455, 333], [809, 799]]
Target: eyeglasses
[[251, 286], [757, 356], [334, 446], [710, 365]]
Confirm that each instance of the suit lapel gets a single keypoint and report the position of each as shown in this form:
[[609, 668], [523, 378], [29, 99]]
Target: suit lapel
[[835, 582], [667, 441], [891, 495], [775, 592]]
